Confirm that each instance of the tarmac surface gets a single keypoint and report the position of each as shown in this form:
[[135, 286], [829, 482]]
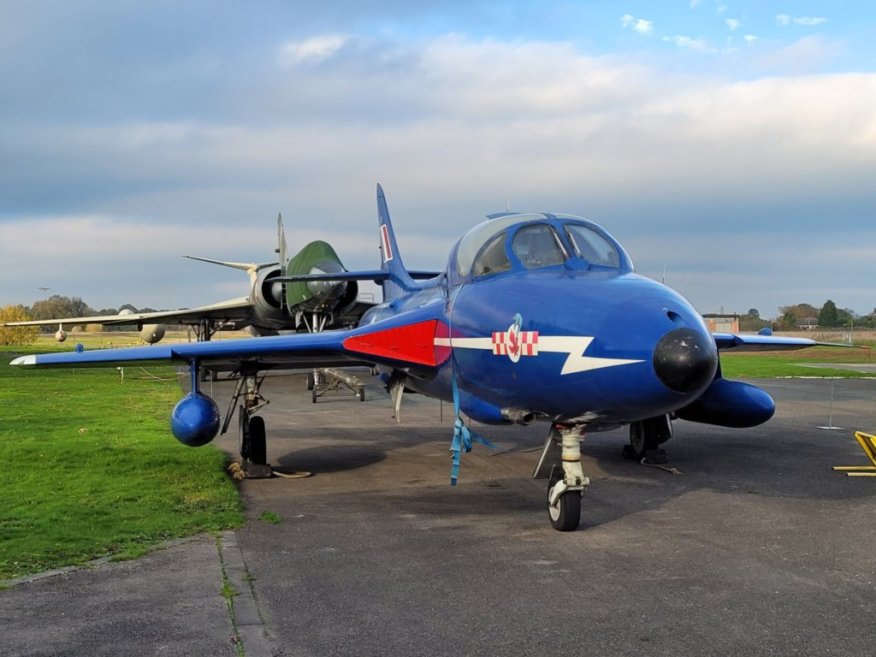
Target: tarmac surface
[[756, 548]]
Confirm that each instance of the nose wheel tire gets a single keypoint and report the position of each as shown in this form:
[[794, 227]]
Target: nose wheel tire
[[565, 514]]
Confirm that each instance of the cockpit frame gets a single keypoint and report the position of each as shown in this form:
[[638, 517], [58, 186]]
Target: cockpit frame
[[514, 243]]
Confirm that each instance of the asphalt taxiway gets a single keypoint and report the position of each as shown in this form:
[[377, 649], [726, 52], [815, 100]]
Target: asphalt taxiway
[[756, 547]]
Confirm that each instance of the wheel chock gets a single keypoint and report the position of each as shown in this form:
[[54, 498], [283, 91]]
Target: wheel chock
[[868, 444], [257, 470]]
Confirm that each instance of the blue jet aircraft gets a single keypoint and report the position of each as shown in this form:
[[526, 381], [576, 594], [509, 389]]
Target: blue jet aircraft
[[536, 317]]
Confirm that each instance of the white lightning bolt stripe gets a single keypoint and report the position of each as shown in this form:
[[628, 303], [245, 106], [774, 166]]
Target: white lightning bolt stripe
[[575, 346]]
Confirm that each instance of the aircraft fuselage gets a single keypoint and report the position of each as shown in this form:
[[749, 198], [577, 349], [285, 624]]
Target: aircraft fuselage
[[565, 342]]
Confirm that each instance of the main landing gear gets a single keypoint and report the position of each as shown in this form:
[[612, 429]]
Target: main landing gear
[[646, 437], [253, 444], [566, 481]]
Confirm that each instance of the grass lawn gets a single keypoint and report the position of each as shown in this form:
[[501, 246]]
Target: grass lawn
[[92, 469], [764, 365]]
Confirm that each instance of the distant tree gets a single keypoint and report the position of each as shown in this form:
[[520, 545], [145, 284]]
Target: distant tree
[[16, 335], [751, 321], [59, 307], [828, 316], [797, 315], [128, 306], [847, 314]]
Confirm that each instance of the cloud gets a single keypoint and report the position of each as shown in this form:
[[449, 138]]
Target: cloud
[[808, 20], [807, 54], [315, 49], [784, 20], [454, 127], [733, 24], [692, 43], [643, 26], [694, 4], [750, 38], [640, 25]]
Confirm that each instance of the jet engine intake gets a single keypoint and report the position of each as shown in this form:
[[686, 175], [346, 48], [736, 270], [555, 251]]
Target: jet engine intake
[[267, 298]]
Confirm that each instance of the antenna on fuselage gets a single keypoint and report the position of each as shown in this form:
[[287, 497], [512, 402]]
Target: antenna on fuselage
[[663, 278]]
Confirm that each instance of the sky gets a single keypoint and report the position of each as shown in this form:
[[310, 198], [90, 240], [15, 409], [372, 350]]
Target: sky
[[729, 144]]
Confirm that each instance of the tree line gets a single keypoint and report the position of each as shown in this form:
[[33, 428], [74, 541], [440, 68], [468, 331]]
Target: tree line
[[55, 307], [806, 316]]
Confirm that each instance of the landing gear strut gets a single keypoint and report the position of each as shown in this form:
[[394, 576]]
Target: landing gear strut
[[566, 482], [253, 445], [646, 437]]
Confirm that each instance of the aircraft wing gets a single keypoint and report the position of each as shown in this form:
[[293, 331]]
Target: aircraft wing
[[406, 341], [233, 310], [376, 275], [751, 342]]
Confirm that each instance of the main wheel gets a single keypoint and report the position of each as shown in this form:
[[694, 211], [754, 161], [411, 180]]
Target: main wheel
[[360, 393], [310, 380], [258, 448], [313, 396], [641, 440], [646, 437]]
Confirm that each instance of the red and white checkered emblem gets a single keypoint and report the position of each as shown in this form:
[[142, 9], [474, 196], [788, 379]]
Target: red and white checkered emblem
[[515, 343]]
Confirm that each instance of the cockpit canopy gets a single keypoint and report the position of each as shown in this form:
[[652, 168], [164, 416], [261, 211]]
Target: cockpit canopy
[[511, 242]]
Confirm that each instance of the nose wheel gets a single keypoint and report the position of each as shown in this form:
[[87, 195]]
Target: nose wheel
[[567, 482], [565, 510]]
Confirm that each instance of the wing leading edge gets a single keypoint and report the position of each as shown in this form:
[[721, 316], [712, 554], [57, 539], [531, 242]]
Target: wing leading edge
[[744, 342], [407, 340], [232, 310]]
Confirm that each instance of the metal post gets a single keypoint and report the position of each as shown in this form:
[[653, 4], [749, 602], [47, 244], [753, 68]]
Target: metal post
[[830, 413]]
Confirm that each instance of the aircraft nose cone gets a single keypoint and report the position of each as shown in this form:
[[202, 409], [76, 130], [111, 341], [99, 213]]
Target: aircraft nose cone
[[685, 359]]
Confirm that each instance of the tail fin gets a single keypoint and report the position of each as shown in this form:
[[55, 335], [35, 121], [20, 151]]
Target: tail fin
[[399, 281], [282, 249]]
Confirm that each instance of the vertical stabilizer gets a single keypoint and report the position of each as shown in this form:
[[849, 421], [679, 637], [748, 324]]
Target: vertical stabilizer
[[282, 249], [399, 281]]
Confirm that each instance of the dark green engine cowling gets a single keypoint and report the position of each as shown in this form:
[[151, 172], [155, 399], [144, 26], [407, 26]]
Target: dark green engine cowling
[[317, 258]]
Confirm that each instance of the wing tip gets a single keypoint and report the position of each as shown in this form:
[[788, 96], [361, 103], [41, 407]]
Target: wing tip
[[24, 361]]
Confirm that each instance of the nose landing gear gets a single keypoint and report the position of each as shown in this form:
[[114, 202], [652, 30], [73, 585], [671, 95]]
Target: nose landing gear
[[566, 482]]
